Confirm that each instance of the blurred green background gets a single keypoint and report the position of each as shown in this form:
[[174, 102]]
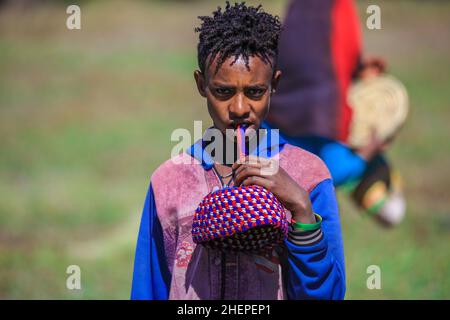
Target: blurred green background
[[86, 116]]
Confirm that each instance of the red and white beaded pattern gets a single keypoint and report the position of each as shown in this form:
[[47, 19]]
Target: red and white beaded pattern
[[248, 218]]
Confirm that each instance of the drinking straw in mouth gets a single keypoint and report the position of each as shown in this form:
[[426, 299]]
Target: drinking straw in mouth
[[241, 140]]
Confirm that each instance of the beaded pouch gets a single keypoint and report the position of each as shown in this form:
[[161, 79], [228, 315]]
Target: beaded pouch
[[245, 218]]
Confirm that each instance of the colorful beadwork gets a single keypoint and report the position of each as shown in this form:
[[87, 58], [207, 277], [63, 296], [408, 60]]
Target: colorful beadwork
[[248, 218]]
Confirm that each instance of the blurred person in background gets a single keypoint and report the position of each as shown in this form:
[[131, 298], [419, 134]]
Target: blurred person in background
[[320, 56]]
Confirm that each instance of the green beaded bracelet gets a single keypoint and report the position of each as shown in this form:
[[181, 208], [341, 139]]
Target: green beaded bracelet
[[308, 226]]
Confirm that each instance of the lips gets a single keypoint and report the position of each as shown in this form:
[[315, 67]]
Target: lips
[[247, 125]]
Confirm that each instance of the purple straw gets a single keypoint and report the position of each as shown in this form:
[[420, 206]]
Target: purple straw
[[241, 141]]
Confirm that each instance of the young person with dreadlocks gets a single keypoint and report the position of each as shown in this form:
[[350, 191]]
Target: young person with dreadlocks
[[237, 54]]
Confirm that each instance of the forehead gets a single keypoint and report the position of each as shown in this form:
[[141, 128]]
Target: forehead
[[259, 73]]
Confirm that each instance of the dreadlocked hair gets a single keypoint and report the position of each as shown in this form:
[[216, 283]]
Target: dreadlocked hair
[[239, 30]]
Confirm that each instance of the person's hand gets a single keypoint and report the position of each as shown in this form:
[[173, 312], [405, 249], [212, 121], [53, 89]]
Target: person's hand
[[373, 147], [268, 174], [372, 66]]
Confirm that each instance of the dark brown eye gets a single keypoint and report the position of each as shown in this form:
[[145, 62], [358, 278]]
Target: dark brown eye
[[224, 91], [255, 92]]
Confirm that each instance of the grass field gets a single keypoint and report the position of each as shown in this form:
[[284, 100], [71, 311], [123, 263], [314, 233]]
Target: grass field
[[86, 116]]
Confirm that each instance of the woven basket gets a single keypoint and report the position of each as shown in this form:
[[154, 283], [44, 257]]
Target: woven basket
[[380, 103], [248, 218]]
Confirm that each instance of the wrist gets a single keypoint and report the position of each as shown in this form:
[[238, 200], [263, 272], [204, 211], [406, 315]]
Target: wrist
[[299, 226], [303, 215]]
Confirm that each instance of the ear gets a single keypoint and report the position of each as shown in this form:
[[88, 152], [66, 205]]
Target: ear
[[275, 80], [201, 82]]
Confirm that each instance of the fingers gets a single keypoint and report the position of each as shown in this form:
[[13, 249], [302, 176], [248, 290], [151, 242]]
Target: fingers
[[252, 161], [244, 172], [267, 167], [376, 62], [260, 181], [380, 64]]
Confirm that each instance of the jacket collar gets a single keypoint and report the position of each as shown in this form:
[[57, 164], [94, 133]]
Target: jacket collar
[[270, 145]]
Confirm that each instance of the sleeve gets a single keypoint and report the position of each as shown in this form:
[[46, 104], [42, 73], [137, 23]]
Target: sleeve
[[151, 276], [315, 268], [344, 164]]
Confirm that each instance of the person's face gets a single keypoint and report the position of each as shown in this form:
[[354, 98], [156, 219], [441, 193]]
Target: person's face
[[236, 95]]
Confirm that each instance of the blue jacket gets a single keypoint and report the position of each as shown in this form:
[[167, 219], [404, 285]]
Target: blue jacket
[[314, 266]]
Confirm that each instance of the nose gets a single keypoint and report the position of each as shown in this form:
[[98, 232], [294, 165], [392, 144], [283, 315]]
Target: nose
[[239, 108]]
